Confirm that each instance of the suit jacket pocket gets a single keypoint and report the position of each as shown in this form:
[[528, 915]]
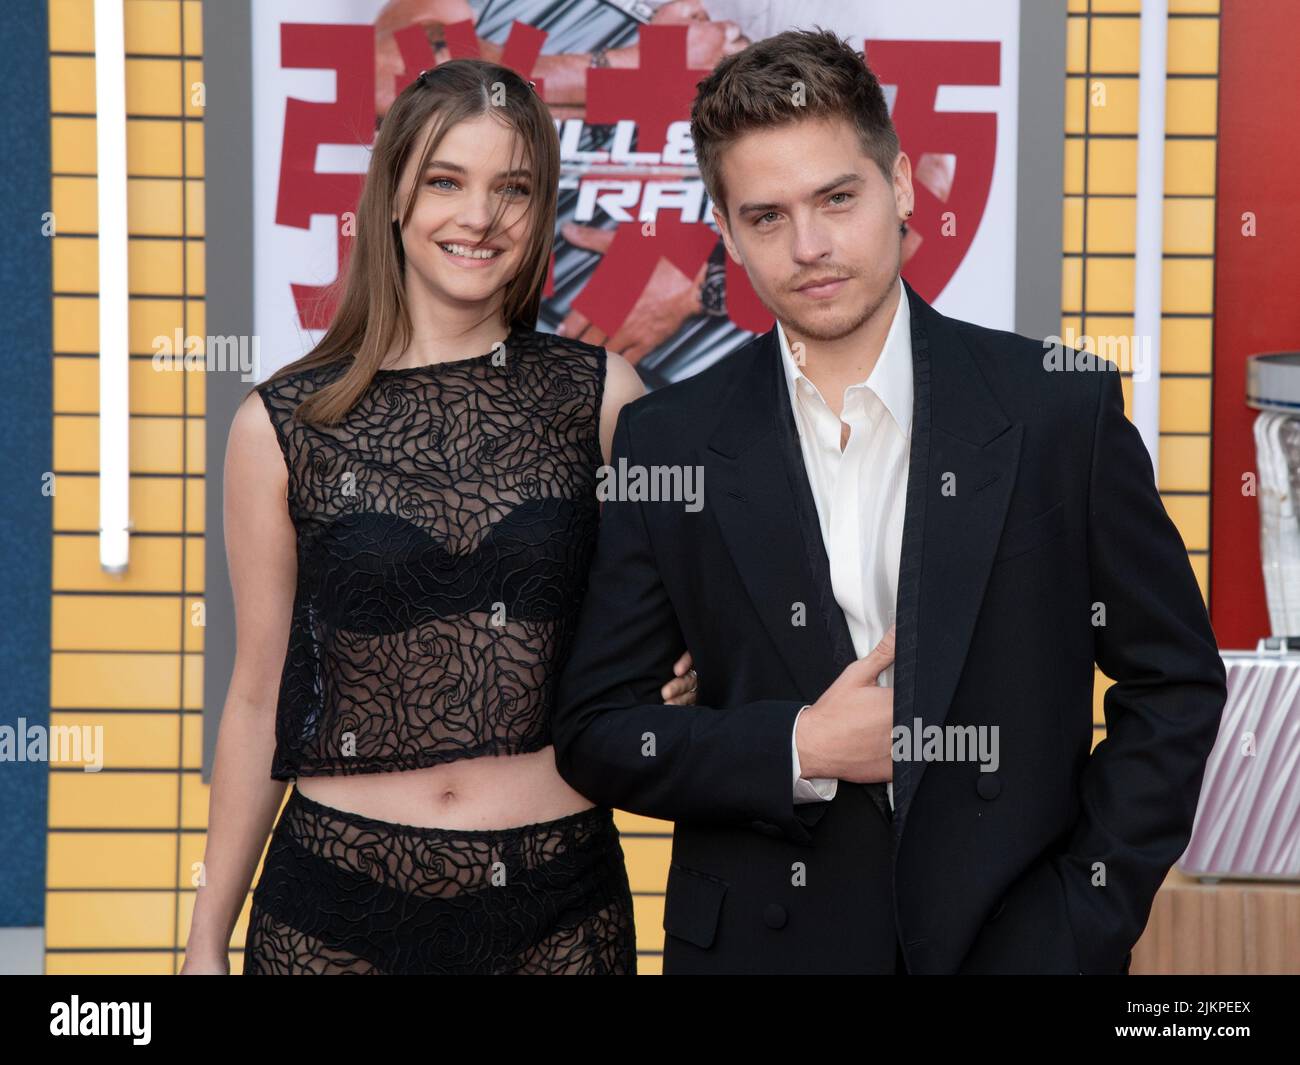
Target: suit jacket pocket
[[692, 905], [1029, 534]]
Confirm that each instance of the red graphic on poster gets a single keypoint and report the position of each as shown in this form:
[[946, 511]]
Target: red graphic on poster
[[952, 153]]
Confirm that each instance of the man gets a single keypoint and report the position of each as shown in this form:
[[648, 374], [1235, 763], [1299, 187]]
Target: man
[[870, 460]]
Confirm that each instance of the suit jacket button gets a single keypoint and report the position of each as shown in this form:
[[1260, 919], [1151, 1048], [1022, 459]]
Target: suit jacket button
[[774, 915], [988, 786]]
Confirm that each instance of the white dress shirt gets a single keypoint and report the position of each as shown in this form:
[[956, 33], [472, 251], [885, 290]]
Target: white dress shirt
[[860, 495]]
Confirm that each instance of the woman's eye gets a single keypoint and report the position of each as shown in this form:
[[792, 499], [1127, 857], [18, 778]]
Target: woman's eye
[[438, 180], [514, 191]]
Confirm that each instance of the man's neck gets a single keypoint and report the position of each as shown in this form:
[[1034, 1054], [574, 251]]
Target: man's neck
[[834, 365]]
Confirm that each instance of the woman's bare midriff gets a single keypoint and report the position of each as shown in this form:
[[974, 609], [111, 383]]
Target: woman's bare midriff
[[492, 791]]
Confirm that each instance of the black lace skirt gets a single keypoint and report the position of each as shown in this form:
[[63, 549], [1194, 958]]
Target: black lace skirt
[[343, 893]]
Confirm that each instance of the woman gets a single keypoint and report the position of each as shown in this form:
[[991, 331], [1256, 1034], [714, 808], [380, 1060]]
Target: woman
[[410, 514]]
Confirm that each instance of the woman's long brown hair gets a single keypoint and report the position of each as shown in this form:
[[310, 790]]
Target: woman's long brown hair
[[372, 308]]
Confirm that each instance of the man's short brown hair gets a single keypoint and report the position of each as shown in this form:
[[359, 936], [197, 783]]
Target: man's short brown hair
[[792, 76]]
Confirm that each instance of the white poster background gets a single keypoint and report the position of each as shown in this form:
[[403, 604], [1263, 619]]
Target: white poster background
[[982, 289]]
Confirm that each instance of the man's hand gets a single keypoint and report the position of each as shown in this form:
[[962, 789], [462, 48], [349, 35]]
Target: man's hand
[[846, 733]]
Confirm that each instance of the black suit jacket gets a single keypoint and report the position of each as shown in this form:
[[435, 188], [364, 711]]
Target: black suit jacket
[[1035, 543]]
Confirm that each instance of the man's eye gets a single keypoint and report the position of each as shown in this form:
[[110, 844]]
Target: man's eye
[[847, 195], [763, 217]]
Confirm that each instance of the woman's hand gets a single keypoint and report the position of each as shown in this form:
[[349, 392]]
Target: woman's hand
[[680, 691]]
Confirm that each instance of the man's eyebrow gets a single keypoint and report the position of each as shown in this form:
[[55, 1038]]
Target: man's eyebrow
[[843, 179], [456, 168]]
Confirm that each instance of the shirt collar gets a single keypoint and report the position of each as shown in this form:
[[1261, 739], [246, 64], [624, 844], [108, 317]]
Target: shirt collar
[[890, 378]]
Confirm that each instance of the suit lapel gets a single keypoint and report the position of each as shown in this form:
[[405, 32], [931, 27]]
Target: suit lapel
[[763, 518], [962, 468]]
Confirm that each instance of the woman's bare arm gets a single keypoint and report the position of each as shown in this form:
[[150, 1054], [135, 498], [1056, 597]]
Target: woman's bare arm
[[244, 800]]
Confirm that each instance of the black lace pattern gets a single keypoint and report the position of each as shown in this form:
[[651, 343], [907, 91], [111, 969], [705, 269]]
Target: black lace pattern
[[343, 894], [444, 532]]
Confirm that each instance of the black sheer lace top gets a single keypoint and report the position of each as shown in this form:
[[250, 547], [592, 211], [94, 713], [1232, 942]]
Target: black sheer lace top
[[444, 532]]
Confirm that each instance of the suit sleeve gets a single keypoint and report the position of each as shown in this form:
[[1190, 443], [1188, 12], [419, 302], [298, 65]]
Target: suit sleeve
[[1141, 784], [617, 742]]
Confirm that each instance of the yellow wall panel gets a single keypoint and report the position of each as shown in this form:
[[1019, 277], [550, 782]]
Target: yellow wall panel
[[76, 324], [1188, 286], [155, 565], [1071, 284], [1112, 105], [1191, 106], [1186, 345], [195, 514], [110, 919], [113, 800], [72, 25], [153, 87], [194, 149], [76, 264], [111, 860], [1112, 166], [155, 504], [192, 756], [194, 796], [194, 215], [155, 207], [106, 963], [153, 148], [192, 630], [1076, 45], [114, 623], [192, 26], [152, 26], [72, 145], [129, 740], [1189, 226], [192, 692], [1193, 46], [155, 266], [1112, 225], [1192, 516], [1072, 231], [1114, 6], [195, 267], [647, 861], [1184, 463], [153, 324], [1185, 404], [1115, 45], [194, 89], [1189, 167], [114, 681], [648, 915], [1110, 284], [1075, 104], [1074, 170], [194, 563], [75, 207], [72, 84]]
